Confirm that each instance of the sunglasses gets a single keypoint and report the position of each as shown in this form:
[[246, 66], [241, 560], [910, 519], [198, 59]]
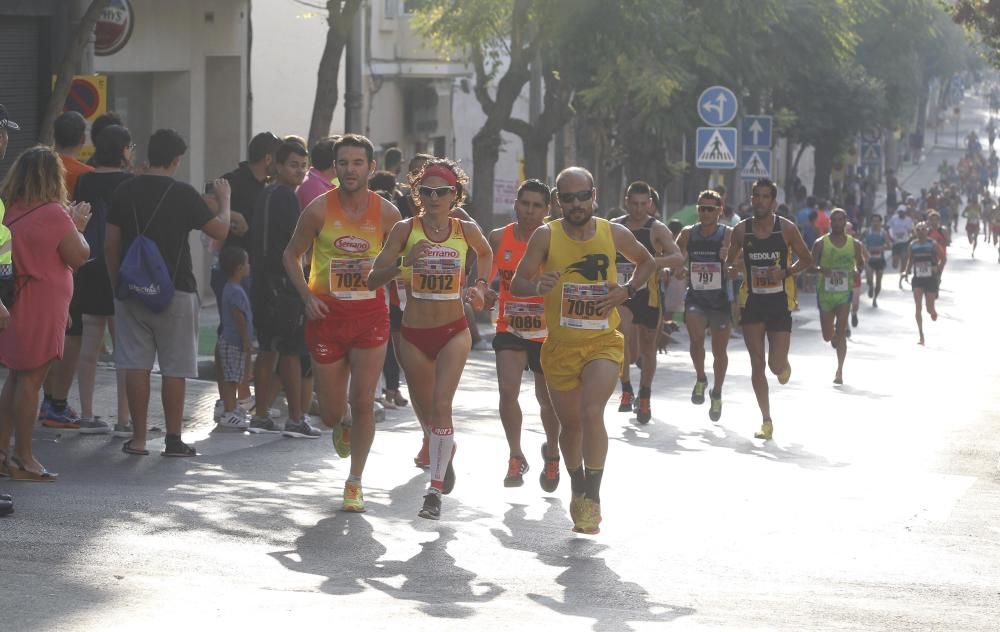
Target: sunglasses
[[707, 208], [131, 146], [427, 191], [580, 196]]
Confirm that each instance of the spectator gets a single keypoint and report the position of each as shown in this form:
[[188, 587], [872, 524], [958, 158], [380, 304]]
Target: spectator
[[802, 216], [233, 346], [393, 161], [810, 232], [784, 211], [93, 306], [48, 246], [101, 123], [276, 306], [322, 173], [383, 181], [70, 133], [822, 217], [165, 211]]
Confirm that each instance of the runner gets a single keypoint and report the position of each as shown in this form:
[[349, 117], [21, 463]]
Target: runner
[[940, 235], [521, 330], [768, 296], [972, 213], [900, 228], [924, 258], [707, 303], [430, 251], [568, 263], [348, 323], [640, 315], [877, 241], [839, 260]]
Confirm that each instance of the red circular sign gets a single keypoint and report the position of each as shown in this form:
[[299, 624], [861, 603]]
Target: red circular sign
[[113, 28], [83, 98]]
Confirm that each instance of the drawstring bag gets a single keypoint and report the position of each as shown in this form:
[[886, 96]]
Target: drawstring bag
[[143, 275]]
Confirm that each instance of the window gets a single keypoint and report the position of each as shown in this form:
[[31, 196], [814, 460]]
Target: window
[[391, 9], [412, 6]]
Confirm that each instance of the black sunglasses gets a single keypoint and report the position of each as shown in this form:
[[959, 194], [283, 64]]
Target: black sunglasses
[[581, 196], [427, 191], [707, 208]]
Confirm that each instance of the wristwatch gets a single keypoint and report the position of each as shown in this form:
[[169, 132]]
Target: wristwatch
[[631, 290]]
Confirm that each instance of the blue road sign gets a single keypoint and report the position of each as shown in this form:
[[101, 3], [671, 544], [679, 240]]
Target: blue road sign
[[755, 163], [715, 148], [871, 153], [755, 131], [717, 106]]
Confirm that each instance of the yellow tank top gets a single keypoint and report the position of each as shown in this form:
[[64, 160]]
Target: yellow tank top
[[344, 251], [583, 267], [439, 274], [6, 257]]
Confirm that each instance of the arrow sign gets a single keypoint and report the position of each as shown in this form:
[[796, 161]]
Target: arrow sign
[[871, 153], [755, 164], [756, 131], [715, 148], [717, 106]]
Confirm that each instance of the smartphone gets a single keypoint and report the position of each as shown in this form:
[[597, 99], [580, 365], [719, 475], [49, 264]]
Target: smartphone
[[209, 187]]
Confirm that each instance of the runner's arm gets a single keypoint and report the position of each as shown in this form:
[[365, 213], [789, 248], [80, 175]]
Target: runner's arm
[[670, 255], [631, 249], [861, 256], [306, 229], [682, 242], [484, 254], [909, 260], [735, 251], [526, 281], [386, 266], [495, 236]]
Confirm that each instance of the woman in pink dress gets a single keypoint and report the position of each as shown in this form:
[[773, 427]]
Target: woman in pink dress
[[48, 245]]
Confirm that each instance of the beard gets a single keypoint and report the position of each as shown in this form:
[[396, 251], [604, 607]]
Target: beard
[[578, 216]]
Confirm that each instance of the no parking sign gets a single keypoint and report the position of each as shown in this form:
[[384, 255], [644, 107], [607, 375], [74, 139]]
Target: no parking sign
[[88, 95]]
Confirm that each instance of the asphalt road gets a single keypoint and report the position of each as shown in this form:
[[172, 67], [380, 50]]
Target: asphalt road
[[876, 507]]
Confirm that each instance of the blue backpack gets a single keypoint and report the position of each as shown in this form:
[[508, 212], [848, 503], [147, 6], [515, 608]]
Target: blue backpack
[[143, 274]]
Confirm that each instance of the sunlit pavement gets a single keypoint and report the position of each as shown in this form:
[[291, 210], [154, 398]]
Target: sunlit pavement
[[876, 507]]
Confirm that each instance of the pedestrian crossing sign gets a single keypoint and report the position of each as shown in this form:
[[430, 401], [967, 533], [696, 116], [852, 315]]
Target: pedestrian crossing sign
[[715, 148], [755, 164], [871, 153]]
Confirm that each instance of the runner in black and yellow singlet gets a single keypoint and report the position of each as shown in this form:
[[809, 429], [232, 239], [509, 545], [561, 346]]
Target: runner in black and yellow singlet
[[521, 330], [348, 323], [429, 252], [570, 262], [768, 293]]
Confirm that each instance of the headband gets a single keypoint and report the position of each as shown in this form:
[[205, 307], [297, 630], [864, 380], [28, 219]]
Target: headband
[[442, 172]]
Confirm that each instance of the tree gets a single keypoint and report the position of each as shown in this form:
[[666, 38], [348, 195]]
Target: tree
[[68, 68], [340, 16], [499, 38], [982, 16]]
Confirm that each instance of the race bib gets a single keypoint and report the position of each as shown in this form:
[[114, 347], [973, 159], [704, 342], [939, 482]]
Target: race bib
[[761, 284], [579, 306], [437, 278], [836, 281], [349, 279], [526, 320], [706, 275], [876, 253], [922, 269], [625, 270]]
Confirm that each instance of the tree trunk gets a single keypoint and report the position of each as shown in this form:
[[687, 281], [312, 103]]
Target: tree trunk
[[70, 62], [536, 158], [341, 15], [823, 157], [485, 154]]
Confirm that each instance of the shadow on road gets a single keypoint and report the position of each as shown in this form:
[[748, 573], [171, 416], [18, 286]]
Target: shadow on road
[[590, 588]]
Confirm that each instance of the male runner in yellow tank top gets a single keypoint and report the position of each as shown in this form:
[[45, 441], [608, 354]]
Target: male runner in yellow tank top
[[347, 326], [568, 262]]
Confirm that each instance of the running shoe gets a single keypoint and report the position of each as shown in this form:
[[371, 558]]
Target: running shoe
[[854, 319], [766, 431], [785, 375], [516, 468], [234, 419], [549, 478], [43, 410], [432, 507], [423, 458], [588, 517], [354, 498], [715, 407], [643, 412], [300, 430], [94, 425], [698, 393], [67, 419], [122, 429], [625, 404], [263, 425], [342, 440], [449, 474], [218, 411], [575, 508]]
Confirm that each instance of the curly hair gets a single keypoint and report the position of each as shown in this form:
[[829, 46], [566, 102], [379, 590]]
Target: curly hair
[[37, 175], [462, 181]]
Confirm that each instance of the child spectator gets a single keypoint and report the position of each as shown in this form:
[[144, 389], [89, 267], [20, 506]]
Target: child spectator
[[233, 347]]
